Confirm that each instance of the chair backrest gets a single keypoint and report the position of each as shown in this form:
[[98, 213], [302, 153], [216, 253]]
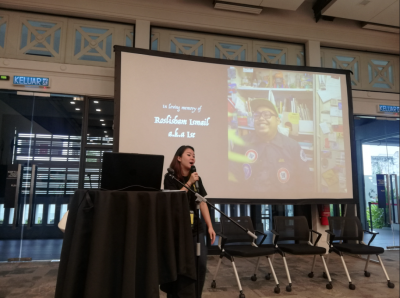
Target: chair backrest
[[346, 228], [233, 232], [292, 228]]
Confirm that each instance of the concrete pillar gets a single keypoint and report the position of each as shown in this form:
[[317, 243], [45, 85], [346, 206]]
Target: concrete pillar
[[142, 34], [313, 58], [313, 53]]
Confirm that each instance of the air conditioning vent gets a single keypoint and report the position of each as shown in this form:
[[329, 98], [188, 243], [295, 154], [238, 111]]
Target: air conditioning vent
[[237, 7]]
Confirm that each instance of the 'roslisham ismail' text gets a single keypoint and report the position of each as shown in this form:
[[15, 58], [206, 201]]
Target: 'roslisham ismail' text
[[177, 121]]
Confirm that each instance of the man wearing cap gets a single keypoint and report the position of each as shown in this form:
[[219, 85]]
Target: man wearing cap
[[274, 163]]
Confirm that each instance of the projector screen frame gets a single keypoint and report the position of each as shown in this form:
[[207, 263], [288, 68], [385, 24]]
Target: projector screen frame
[[117, 104]]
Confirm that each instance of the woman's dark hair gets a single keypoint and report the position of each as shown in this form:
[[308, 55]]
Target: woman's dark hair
[[175, 164]]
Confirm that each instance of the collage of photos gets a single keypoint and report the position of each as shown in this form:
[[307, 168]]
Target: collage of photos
[[285, 131]]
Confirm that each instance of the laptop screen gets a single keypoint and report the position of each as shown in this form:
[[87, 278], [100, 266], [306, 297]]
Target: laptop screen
[[132, 171]]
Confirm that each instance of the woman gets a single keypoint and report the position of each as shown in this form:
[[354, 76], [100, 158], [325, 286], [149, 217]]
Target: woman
[[182, 162]]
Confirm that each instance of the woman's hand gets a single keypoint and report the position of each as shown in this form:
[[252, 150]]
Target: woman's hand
[[193, 178], [211, 232]]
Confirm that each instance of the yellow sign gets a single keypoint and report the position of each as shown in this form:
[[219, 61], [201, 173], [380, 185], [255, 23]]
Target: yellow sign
[[294, 118]]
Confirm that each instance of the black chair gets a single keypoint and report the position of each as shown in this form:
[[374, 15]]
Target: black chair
[[348, 231], [296, 229], [244, 246]]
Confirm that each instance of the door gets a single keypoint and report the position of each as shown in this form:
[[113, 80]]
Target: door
[[377, 142], [40, 143]]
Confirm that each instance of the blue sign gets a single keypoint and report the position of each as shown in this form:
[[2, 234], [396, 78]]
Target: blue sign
[[388, 109], [380, 182], [31, 81]]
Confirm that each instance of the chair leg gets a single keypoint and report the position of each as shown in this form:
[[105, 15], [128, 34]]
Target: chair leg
[[213, 283], [276, 290], [268, 275], [327, 262], [390, 284], [311, 274], [351, 286], [254, 277], [289, 287], [241, 295], [366, 273], [328, 285]]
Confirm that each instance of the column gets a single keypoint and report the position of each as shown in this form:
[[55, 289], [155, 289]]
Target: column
[[142, 34]]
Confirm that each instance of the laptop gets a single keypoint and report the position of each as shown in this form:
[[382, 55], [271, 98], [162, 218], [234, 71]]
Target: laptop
[[132, 171]]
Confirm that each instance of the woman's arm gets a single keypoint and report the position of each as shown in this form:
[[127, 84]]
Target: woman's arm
[[206, 215]]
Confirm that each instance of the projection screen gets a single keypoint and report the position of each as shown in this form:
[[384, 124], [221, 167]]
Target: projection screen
[[260, 131]]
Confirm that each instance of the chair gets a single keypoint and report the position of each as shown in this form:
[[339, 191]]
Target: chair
[[244, 247], [296, 228], [349, 232]]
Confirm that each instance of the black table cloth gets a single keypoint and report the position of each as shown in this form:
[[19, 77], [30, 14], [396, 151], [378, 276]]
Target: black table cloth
[[125, 244]]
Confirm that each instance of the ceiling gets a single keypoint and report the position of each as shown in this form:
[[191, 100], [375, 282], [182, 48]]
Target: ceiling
[[376, 13], [385, 12]]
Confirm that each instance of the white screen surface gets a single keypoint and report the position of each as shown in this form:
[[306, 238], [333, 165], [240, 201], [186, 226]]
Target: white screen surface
[[301, 152]]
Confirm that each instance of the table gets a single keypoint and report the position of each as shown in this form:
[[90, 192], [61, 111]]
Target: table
[[126, 244]]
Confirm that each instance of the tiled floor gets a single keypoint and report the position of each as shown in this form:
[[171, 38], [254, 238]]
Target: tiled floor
[[38, 279]]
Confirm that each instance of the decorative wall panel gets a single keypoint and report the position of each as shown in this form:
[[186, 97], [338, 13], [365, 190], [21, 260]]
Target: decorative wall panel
[[3, 31], [226, 47], [91, 43], [62, 40], [376, 72]]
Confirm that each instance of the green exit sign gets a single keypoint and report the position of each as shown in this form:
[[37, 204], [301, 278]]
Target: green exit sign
[[4, 78]]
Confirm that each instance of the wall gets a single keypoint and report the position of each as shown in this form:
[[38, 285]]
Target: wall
[[295, 26]]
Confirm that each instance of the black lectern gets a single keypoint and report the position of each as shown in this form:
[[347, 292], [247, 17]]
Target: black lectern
[[126, 244]]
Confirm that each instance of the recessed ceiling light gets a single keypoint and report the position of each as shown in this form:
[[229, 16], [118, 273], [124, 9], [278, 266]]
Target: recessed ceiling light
[[98, 110], [106, 136], [102, 120], [105, 131], [103, 124], [78, 109], [72, 102], [95, 101]]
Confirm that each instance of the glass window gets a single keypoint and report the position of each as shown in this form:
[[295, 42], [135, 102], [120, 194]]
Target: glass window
[[25, 214], [46, 43], [63, 210], [11, 216], [2, 210], [100, 123], [39, 214], [93, 164], [217, 214], [100, 41], [51, 214]]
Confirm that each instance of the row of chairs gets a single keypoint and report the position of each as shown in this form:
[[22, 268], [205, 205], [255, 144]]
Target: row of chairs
[[345, 235]]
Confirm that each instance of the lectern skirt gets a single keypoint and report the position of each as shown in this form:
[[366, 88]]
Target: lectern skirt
[[199, 284]]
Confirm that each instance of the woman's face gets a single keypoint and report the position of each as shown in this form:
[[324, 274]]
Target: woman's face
[[187, 159]]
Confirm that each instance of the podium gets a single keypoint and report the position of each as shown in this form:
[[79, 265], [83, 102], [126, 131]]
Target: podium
[[126, 244]]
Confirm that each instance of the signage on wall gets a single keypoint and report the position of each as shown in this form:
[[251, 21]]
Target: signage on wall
[[4, 78], [31, 81], [388, 109]]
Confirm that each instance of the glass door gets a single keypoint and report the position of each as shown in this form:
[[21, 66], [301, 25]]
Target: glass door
[[377, 140], [40, 143]]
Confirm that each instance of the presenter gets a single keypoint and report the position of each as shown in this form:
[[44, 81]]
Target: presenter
[[275, 162], [182, 162]]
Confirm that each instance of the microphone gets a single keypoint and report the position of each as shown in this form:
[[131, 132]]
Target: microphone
[[170, 171], [192, 170]]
